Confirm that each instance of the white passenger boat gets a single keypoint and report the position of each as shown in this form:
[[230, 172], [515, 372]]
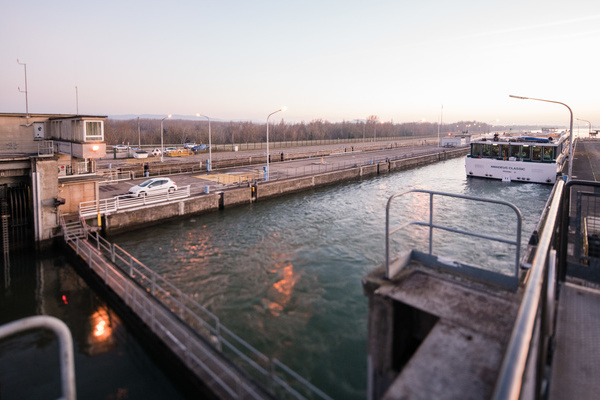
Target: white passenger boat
[[518, 158]]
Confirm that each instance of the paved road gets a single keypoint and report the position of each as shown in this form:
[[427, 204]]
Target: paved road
[[586, 163], [279, 170]]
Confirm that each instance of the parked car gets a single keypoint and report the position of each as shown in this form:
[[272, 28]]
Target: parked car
[[199, 147], [153, 186], [120, 147], [156, 152], [189, 145]]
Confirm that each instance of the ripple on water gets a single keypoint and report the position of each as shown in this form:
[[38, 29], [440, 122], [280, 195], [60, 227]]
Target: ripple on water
[[285, 274]]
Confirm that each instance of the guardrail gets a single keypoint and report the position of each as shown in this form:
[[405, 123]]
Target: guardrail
[[142, 289], [92, 208], [65, 342], [533, 326], [116, 176], [429, 258]]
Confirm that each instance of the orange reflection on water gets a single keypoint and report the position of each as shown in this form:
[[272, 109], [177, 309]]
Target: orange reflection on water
[[101, 328], [281, 291]]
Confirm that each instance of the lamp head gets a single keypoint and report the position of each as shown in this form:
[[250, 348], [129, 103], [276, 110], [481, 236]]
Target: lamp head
[[284, 108]]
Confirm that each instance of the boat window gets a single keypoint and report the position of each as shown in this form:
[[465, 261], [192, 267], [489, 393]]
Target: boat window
[[495, 151], [525, 152], [536, 153], [475, 150], [486, 150], [548, 153], [504, 151], [515, 151]]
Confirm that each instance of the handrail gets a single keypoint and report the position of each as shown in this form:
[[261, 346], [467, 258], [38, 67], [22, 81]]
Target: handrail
[[432, 226], [92, 208], [65, 343], [511, 374]]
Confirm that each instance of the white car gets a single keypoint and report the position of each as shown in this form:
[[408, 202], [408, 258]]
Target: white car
[[156, 152], [120, 147], [153, 186]]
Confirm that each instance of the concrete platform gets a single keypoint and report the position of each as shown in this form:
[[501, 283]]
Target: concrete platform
[[433, 335]]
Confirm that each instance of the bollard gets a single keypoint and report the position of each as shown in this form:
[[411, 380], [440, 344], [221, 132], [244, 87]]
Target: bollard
[[207, 189]]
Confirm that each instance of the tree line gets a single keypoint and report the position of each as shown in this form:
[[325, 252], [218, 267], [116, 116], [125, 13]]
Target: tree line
[[179, 131]]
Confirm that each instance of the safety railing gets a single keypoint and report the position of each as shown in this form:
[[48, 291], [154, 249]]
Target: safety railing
[[115, 176], [65, 343], [527, 350], [92, 208], [124, 273], [509, 281]]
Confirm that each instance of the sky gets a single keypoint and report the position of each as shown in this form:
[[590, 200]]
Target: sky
[[403, 61]]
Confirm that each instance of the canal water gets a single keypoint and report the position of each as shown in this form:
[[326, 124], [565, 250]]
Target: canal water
[[285, 274], [110, 363]]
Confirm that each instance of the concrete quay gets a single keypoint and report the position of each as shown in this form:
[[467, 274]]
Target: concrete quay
[[286, 177]]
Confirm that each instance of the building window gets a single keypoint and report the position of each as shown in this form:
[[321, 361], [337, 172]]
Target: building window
[[94, 131]]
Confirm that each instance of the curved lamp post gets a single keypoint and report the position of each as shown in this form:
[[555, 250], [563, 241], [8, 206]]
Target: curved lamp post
[[209, 142], [571, 155], [162, 147], [589, 125], [274, 112]]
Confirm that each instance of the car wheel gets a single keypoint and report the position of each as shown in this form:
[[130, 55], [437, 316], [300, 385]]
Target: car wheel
[[171, 189], [142, 194]]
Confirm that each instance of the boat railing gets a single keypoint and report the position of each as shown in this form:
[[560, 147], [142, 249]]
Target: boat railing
[[526, 355], [490, 276], [65, 343]]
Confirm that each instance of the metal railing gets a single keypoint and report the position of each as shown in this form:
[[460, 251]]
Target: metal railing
[[92, 208], [65, 343], [533, 324], [140, 287], [429, 258], [39, 148]]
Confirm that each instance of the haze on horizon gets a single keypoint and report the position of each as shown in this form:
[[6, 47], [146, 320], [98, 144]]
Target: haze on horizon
[[336, 60]]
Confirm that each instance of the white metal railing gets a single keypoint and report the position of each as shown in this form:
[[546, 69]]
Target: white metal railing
[[128, 276], [116, 176], [65, 342], [429, 258], [92, 208]]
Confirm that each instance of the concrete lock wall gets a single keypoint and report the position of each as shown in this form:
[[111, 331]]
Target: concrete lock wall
[[44, 179], [123, 221]]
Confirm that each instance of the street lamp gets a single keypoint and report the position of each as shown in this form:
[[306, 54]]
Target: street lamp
[[25, 91], [210, 164], [589, 123], [571, 155], [162, 147], [274, 112]]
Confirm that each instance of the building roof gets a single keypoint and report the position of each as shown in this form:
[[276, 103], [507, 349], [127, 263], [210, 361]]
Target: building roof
[[50, 116]]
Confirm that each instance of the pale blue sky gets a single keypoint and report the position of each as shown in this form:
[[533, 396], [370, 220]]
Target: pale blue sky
[[331, 60]]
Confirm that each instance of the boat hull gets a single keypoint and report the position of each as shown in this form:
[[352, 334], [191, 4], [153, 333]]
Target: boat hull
[[509, 171]]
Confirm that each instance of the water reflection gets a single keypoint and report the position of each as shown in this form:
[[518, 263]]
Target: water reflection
[[109, 362]]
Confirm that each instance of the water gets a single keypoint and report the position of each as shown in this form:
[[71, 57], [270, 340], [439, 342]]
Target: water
[[110, 363], [285, 274]]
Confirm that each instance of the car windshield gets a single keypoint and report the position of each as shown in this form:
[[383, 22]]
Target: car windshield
[[146, 183]]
